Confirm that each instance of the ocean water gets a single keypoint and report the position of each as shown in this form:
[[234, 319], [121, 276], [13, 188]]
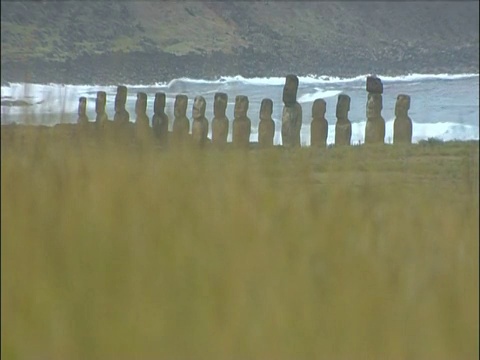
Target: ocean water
[[443, 106]]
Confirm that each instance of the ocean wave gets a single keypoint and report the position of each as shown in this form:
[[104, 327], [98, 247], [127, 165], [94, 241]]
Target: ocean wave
[[258, 81], [319, 94]]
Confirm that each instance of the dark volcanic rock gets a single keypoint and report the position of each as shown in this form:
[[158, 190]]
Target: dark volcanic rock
[[374, 85]]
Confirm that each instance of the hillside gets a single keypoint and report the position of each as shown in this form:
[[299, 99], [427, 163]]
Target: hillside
[[149, 41]]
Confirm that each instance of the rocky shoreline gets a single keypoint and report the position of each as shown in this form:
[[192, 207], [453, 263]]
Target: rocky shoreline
[[149, 68]]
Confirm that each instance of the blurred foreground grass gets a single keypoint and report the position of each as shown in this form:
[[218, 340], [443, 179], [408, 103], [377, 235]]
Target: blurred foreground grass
[[353, 253]]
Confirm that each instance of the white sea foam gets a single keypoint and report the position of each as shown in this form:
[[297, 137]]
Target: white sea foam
[[263, 81], [319, 94]]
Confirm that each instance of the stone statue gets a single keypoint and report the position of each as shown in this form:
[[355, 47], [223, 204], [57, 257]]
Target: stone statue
[[266, 126], [292, 113], [241, 123], [319, 125], [160, 119], [102, 118], [220, 122], [121, 114], [142, 122], [375, 127], [181, 124], [402, 125], [82, 111], [343, 127], [141, 110], [200, 122]]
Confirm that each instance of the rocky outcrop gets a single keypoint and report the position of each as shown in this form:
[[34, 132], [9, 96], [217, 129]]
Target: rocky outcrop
[[78, 44]]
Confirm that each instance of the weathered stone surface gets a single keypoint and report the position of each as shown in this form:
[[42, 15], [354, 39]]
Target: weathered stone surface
[[374, 85], [290, 89], [141, 109], [402, 125], [102, 118], [200, 122], [181, 124], [160, 119], [220, 122], [343, 127], [319, 125], [375, 127], [142, 122], [121, 114], [82, 111], [292, 113], [266, 126], [291, 125], [241, 123]]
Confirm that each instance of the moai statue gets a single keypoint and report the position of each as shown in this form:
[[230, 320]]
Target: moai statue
[[101, 119], [160, 119], [375, 127], [266, 126], [121, 114], [181, 124], [402, 126], [220, 122], [319, 125], [142, 123], [141, 110], [343, 127], [82, 111], [200, 122], [292, 113], [241, 126]]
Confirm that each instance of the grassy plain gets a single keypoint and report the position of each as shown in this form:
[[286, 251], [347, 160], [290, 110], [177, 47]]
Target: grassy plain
[[366, 252]]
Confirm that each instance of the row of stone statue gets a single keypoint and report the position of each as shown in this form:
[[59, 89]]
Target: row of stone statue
[[241, 125]]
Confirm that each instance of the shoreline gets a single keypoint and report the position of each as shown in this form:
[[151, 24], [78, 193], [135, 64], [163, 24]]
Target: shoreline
[[151, 68], [238, 77]]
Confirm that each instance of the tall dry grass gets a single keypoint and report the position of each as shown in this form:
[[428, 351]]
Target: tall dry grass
[[353, 253]]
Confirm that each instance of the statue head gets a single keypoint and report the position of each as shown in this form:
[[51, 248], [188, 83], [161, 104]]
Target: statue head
[[180, 106], [159, 104], [220, 104], [374, 85], [100, 102], [343, 106], [266, 109], [120, 98], [141, 104], [319, 108], [199, 106], [402, 105], [374, 105], [290, 90], [82, 106], [241, 107]]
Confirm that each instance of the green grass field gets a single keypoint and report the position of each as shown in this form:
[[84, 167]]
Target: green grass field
[[343, 253]]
